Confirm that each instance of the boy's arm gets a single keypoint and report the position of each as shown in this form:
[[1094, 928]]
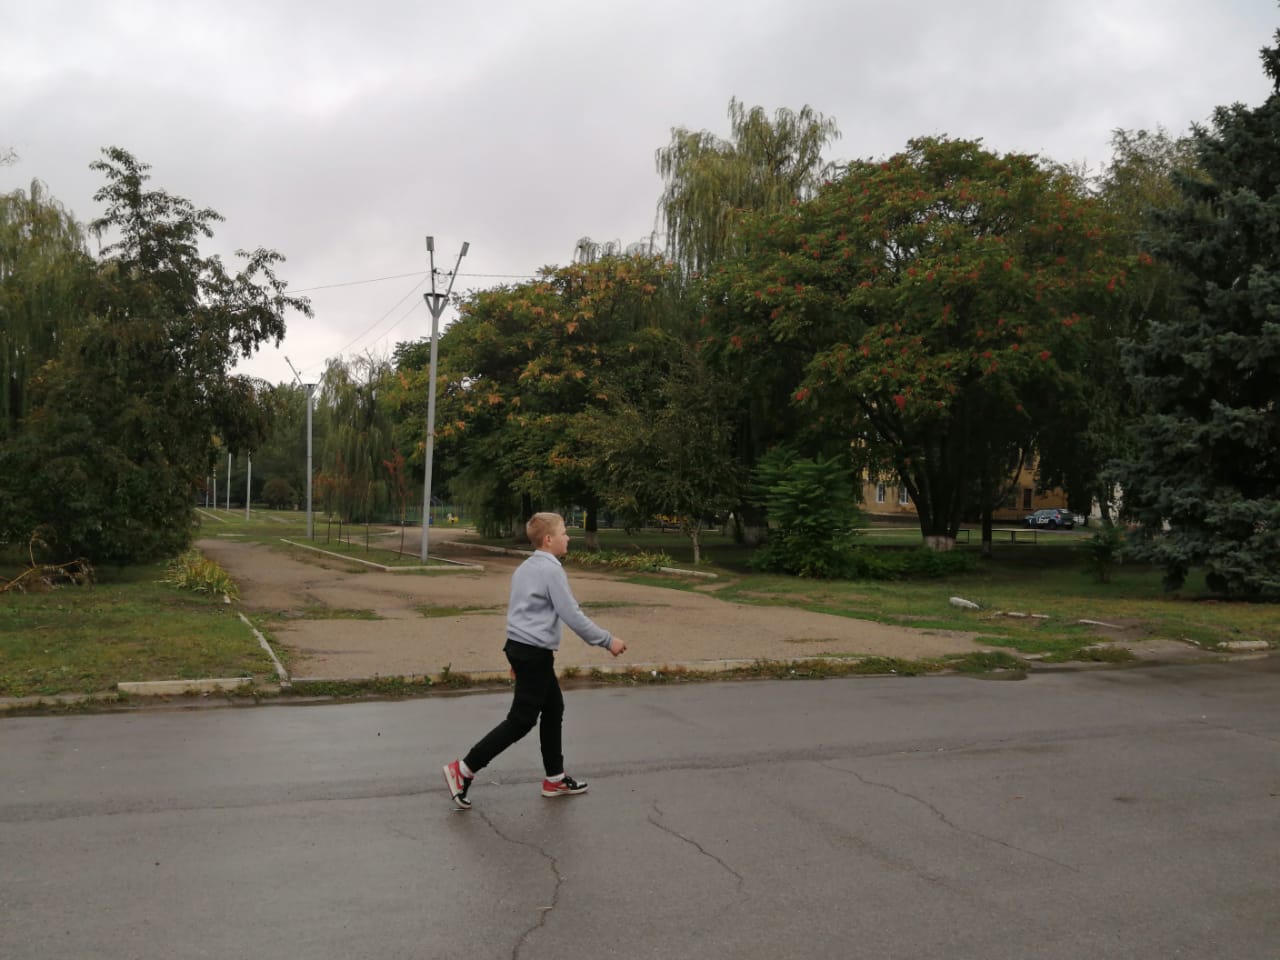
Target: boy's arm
[[570, 613]]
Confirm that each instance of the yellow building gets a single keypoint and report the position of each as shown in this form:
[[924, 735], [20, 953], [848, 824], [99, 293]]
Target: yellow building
[[887, 497]]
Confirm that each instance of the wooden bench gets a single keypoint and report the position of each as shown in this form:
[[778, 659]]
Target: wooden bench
[[1012, 534]]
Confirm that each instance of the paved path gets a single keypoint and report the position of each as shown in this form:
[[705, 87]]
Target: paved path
[[1108, 815], [660, 626]]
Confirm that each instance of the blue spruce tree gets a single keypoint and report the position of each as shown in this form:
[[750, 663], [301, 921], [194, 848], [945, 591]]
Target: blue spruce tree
[[1203, 482]]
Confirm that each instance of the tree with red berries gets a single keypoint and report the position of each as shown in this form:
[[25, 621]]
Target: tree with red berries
[[941, 299]]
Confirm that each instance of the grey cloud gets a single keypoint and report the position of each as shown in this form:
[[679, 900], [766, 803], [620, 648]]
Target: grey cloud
[[341, 134]]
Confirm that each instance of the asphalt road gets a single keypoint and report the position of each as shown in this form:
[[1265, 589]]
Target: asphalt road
[[1115, 813]]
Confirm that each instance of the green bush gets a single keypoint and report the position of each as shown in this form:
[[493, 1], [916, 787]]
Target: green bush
[[279, 493], [1103, 551], [813, 515], [193, 572], [919, 564]]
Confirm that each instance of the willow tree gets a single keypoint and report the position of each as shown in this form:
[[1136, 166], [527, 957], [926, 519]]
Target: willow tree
[[44, 272], [710, 183], [355, 422]]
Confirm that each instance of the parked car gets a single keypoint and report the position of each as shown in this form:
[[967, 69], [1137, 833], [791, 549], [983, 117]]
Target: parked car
[[1051, 517]]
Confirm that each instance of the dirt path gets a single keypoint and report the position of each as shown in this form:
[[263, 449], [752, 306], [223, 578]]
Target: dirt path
[[661, 627]]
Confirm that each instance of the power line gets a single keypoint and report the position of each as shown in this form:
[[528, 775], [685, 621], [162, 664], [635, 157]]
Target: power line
[[369, 329], [422, 278], [354, 283], [401, 276]]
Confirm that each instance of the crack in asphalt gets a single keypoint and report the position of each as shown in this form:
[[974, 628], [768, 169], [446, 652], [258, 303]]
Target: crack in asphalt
[[947, 820], [1244, 733], [696, 845], [555, 895]]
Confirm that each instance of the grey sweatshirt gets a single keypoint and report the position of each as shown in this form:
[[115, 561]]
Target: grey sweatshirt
[[541, 601]]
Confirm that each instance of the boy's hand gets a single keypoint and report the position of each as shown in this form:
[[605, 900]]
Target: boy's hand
[[617, 647]]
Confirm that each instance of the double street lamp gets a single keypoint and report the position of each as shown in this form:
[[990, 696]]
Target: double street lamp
[[436, 303]]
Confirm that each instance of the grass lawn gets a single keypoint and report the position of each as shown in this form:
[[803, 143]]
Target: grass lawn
[[1045, 577], [127, 626]]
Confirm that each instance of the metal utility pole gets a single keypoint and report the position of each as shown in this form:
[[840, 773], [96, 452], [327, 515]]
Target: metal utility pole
[[311, 389], [248, 483], [436, 303], [228, 481]]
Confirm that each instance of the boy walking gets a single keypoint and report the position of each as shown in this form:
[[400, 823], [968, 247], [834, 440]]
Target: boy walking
[[540, 602]]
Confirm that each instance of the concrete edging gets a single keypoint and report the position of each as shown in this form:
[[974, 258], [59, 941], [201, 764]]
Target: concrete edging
[[512, 552], [382, 566], [169, 688]]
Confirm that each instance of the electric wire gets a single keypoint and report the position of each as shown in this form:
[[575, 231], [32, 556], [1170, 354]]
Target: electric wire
[[422, 278], [422, 273]]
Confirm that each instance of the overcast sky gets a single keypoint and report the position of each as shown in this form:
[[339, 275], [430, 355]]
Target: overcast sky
[[341, 134]]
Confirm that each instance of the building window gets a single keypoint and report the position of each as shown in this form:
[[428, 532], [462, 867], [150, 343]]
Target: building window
[[1026, 498], [904, 498], [880, 493]]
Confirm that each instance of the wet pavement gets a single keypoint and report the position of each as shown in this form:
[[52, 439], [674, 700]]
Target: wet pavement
[[1110, 813]]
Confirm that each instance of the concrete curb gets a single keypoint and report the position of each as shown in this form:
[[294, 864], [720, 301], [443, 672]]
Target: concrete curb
[[653, 668], [262, 642], [242, 691], [382, 566], [171, 688], [512, 552]]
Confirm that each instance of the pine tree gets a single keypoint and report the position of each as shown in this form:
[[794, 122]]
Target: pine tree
[[1204, 481]]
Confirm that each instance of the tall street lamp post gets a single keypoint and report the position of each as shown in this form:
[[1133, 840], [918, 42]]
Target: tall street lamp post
[[436, 303]]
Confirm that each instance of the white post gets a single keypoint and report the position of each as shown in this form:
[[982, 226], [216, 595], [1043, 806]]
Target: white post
[[311, 388]]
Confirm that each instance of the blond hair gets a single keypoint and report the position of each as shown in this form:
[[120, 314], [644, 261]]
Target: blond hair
[[542, 525]]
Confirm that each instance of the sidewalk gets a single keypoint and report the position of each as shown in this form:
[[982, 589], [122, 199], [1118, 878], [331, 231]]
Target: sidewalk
[[662, 627]]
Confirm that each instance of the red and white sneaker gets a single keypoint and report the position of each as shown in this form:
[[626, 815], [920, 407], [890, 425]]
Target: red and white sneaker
[[565, 787], [458, 784]]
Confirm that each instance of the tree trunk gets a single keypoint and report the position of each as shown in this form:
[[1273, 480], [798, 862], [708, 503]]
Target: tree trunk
[[591, 526], [986, 513], [693, 531], [526, 511]]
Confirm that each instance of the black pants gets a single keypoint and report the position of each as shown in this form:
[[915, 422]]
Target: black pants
[[537, 693]]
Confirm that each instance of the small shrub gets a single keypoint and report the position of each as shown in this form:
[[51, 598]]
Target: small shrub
[[919, 564], [279, 493], [191, 571], [643, 561], [813, 515], [1103, 551]]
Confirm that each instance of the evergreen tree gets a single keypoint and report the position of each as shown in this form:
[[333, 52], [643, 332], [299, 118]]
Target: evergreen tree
[[1204, 479], [1095, 417]]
